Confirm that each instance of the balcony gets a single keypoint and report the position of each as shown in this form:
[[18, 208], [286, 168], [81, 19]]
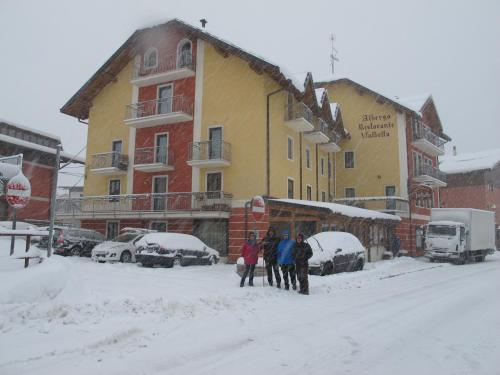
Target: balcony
[[390, 205], [333, 145], [155, 112], [299, 117], [426, 141], [169, 68], [153, 159], [428, 175], [318, 134], [209, 154], [216, 204], [109, 163]]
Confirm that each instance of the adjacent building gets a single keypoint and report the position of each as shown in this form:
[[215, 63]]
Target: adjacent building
[[389, 161], [185, 128]]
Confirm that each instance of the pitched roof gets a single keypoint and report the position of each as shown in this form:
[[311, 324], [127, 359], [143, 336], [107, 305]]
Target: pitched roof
[[79, 104], [470, 161]]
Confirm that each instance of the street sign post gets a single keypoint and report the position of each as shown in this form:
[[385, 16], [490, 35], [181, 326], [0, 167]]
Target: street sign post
[[17, 195]]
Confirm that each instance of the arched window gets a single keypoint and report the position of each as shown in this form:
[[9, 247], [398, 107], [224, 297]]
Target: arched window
[[184, 54], [151, 58]]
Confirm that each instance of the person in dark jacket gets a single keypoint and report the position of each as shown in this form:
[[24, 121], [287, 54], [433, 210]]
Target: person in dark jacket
[[250, 254], [286, 261], [270, 245], [302, 252]]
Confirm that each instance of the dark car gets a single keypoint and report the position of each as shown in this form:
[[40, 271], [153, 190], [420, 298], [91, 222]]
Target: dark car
[[73, 241], [167, 249], [335, 252]]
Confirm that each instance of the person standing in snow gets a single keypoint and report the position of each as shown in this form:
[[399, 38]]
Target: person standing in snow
[[302, 252], [286, 260], [270, 245], [250, 254]]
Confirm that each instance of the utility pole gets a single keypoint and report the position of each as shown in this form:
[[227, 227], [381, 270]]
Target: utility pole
[[53, 201]]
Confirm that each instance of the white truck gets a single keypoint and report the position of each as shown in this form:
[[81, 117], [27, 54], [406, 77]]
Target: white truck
[[460, 235]]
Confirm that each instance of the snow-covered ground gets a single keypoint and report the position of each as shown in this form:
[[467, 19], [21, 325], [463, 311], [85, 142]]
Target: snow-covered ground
[[403, 316]]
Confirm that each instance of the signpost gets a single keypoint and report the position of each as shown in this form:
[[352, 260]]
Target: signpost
[[18, 195], [258, 211]]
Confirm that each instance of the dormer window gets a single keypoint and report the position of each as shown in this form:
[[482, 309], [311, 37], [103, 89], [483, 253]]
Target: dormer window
[[151, 58], [184, 53]]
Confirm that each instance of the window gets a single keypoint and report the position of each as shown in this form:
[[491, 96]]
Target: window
[[116, 148], [289, 148], [213, 184], [184, 54], [349, 159], [160, 184], [114, 187], [308, 158], [290, 188], [160, 226], [350, 192], [215, 146], [111, 229], [417, 164], [323, 196], [165, 99], [322, 166], [161, 149], [151, 58], [309, 192], [390, 191]]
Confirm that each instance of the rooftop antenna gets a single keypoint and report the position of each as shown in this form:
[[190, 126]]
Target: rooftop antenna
[[333, 54], [203, 22]]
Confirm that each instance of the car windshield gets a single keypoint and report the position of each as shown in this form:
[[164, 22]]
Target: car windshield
[[442, 230], [125, 237]]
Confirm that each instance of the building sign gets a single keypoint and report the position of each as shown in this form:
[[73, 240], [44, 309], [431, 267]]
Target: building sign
[[18, 191], [376, 126], [258, 208]]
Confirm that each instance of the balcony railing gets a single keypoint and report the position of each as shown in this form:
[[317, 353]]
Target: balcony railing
[[298, 111], [162, 106], [110, 160], [424, 133], [153, 155], [382, 204], [426, 170], [166, 64], [209, 150], [137, 205]]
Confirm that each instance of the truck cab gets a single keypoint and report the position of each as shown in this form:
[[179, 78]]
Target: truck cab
[[445, 240]]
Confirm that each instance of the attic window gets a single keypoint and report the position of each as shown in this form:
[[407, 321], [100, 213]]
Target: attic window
[[151, 58], [184, 53]]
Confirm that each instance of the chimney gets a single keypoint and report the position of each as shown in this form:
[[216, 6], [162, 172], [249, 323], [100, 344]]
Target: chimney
[[454, 150], [203, 22]]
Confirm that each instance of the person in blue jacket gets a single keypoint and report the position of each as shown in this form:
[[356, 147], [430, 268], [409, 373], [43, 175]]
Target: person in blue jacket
[[286, 260]]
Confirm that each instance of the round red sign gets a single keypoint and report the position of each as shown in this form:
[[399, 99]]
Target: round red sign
[[258, 208], [18, 191]]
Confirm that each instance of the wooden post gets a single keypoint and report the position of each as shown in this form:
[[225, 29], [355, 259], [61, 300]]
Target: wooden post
[[26, 259]]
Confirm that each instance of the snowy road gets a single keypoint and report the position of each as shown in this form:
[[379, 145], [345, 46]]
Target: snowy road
[[402, 316]]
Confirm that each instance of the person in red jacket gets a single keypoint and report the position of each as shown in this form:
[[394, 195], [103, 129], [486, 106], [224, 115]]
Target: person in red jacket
[[250, 254]]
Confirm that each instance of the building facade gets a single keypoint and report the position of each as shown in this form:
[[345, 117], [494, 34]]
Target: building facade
[[207, 126], [389, 162]]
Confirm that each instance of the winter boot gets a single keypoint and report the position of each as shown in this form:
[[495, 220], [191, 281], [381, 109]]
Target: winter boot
[[242, 283], [287, 287], [250, 283], [294, 287], [278, 286]]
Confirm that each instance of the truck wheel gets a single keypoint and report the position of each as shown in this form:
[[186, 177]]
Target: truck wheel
[[480, 258], [431, 260]]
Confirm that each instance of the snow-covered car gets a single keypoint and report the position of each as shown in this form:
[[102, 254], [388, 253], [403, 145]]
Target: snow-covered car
[[335, 252], [24, 226], [166, 249], [122, 248], [69, 241]]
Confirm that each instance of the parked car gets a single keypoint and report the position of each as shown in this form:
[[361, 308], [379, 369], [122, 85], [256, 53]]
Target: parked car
[[24, 226], [167, 249], [335, 252], [122, 248], [73, 241]]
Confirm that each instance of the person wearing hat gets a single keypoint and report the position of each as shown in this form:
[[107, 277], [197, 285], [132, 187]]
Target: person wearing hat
[[250, 253], [286, 261], [302, 252], [270, 245]]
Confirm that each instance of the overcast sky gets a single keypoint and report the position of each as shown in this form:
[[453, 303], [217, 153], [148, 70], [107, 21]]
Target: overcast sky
[[450, 49]]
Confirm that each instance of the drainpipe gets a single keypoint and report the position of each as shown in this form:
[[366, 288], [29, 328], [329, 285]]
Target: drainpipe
[[334, 175], [317, 175], [300, 164], [268, 153]]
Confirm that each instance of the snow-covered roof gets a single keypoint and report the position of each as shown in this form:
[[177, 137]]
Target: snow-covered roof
[[319, 95], [413, 102], [342, 209], [469, 162], [33, 130], [35, 146], [334, 107]]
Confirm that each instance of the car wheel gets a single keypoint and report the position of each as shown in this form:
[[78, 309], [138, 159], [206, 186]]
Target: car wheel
[[177, 262], [431, 260], [212, 260], [75, 251], [325, 268], [126, 257], [359, 265]]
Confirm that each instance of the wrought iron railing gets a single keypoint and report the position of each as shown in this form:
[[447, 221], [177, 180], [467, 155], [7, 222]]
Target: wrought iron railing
[[144, 203], [161, 106], [383, 204], [112, 159], [209, 150], [421, 131], [165, 64], [429, 170], [298, 110], [154, 155]]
